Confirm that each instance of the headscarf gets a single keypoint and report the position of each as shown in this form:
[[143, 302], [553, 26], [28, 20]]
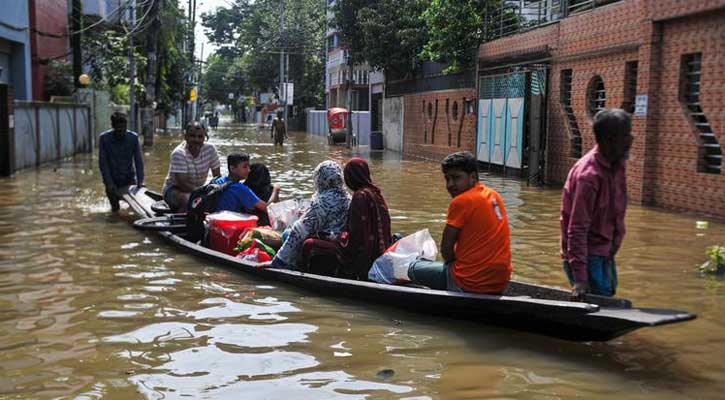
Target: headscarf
[[327, 212], [368, 221], [259, 181]]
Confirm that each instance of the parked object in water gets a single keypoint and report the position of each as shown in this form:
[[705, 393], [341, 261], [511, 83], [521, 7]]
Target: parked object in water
[[527, 307], [337, 123]]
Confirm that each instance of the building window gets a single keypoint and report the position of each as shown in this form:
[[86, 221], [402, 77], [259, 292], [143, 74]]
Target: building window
[[709, 158], [630, 86], [575, 137], [469, 107], [596, 96]]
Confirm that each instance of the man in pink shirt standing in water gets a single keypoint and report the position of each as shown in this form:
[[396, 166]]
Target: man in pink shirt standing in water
[[593, 206]]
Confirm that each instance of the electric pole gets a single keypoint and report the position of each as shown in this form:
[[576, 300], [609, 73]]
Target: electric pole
[[76, 27], [282, 86], [152, 43], [131, 69]]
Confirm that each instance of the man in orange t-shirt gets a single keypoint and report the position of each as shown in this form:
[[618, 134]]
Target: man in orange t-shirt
[[476, 243]]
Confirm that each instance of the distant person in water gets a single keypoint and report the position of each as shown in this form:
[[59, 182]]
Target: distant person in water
[[593, 205], [476, 243], [189, 167], [279, 129], [120, 159]]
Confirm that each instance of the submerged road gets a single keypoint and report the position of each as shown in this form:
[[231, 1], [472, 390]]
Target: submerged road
[[91, 308]]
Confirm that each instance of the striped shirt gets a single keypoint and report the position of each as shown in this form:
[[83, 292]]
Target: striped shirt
[[182, 162]]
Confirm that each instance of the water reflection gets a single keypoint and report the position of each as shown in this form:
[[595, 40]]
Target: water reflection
[[90, 308]]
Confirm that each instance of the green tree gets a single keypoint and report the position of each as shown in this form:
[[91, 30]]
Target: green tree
[[457, 27], [250, 40], [394, 34]]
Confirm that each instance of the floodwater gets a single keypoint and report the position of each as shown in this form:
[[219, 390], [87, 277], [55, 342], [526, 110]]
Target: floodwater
[[91, 308]]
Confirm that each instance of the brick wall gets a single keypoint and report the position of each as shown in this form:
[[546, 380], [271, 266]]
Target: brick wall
[[662, 169], [48, 38], [678, 185], [435, 135]]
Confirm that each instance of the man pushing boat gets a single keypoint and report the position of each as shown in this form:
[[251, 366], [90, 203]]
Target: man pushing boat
[[593, 206]]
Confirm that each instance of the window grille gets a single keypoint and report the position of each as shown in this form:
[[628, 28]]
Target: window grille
[[709, 151], [575, 137], [596, 96]]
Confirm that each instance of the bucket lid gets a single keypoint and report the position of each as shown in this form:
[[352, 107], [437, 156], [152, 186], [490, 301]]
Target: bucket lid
[[231, 216]]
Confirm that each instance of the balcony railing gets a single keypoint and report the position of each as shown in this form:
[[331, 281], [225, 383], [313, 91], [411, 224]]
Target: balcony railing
[[515, 16]]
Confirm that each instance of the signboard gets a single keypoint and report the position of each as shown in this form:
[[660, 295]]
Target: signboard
[[266, 98], [288, 93], [640, 105], [231, 96], [192, 94]]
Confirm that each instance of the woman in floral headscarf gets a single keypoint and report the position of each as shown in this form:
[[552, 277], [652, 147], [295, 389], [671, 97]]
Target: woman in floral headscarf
[[327, 213]]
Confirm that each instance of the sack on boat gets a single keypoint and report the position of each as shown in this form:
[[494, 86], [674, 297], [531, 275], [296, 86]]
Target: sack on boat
[[247, 242], [392, 266], [256, 252], [283, 214], [267, 235]]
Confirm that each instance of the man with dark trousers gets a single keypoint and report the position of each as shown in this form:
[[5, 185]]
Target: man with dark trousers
[[120, 159]]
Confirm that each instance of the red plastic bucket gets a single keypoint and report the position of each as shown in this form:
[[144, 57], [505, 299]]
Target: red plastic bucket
[[226, 227]]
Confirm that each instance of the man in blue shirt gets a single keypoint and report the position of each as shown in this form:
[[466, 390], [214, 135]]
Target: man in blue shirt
[[120, 159], [238, 197]]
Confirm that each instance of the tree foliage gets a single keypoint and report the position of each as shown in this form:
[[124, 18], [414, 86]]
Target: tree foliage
[[58, 78], [105, 51], [394, 34], [457, 27], [250, 39], [397, 35]]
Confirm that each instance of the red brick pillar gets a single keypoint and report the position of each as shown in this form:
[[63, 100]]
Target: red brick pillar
[[644, 151]]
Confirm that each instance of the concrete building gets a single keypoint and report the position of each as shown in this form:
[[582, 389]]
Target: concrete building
[[15, 48], [337, 71], [662, 60], [48, 39]]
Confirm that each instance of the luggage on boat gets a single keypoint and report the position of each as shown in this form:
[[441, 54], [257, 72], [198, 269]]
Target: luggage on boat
[[255, 251], [283, 214], [392, 266], [265, 234], [201, 202], [226, 227]]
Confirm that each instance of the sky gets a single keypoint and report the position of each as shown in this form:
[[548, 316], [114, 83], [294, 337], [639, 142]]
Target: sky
[[203, 6]]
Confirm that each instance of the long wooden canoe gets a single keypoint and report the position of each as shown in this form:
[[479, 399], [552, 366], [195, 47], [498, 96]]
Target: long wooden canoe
[[524, 306]]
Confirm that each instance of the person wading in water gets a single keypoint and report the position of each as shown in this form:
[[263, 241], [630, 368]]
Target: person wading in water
[[279, 130]]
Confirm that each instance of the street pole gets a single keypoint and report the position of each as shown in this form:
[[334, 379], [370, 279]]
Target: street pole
[[350, 66], [131, 70], [148, 112], [76, 27], [201, 81], [282, 86]]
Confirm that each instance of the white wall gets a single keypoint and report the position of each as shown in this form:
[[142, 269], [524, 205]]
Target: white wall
[[393, 109], [317, 124]]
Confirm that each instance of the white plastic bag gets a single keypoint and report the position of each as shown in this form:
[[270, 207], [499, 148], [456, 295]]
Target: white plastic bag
[[282, 214], [392, 266]]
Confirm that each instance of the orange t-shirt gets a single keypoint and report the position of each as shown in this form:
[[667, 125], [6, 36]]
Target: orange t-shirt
[[483, 246]]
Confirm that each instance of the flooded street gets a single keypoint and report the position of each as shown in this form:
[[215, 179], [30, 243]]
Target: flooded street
[[91, 308]]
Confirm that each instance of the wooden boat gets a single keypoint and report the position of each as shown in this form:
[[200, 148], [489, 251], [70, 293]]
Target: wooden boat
[[524, 306]]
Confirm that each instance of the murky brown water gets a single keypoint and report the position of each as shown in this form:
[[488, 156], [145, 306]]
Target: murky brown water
[[90, 308]]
